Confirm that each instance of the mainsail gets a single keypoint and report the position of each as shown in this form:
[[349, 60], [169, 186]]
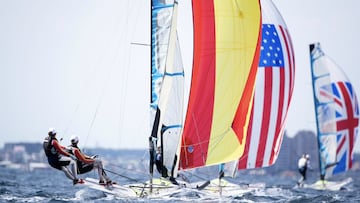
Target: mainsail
[[336, 111], [226, 52], [273, 91], [167, 79]]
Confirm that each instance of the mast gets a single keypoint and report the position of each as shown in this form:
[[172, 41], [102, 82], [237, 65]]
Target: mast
[[151, 144], [316, 103]]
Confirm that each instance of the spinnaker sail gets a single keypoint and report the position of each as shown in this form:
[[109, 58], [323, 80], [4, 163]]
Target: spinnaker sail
[[273, 92], [226, 52], [336, 112]]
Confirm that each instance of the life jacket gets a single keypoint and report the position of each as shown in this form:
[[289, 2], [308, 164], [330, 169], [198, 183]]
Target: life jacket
[[82, 167], [70, 149], [49, 149]]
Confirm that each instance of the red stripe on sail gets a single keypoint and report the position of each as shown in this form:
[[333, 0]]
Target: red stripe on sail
[[198, 121], [274, 151], [240, 120], [351, 123], [341, 144], [244, 159], [266, 116], [279, 120], [291, 58], [249, 91]]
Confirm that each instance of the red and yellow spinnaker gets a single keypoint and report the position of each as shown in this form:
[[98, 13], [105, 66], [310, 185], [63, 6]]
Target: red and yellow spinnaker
[[226, 53]]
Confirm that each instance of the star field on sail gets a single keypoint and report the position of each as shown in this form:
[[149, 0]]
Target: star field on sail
[[337, 118], [273, 91], [225, 49]]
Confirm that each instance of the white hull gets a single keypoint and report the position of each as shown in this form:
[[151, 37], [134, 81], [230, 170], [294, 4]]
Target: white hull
[[163, 188], [328, 185], [117, 190]]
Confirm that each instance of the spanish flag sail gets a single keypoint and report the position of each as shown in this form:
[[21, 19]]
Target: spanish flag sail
[[226, 52]]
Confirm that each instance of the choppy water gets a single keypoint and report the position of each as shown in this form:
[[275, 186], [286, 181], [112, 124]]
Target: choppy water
[[52, 186]]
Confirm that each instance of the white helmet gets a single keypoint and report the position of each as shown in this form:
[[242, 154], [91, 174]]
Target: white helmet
[[74, 139], [52, 132], [307, 156]]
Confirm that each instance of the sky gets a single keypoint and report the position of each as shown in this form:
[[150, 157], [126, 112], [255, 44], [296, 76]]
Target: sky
[[77, 66]]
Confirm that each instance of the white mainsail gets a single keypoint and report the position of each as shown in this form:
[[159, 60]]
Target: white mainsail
[[167, 124]]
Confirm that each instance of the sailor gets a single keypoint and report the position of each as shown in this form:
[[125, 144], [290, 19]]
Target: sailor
[[86, 163], [162, 169], [58, 158], [159, 164], [303, 165]]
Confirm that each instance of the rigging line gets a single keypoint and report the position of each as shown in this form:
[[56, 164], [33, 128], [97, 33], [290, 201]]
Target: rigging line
[[132, 170], [85, 85], [71, 119], [93, 72], [186, 175], [118, 174], [140, 44], [98, 106], [126, 62], [110, 71], [99, 103]]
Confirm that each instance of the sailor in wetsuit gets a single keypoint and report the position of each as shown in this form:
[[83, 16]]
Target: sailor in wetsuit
[[58, 158]]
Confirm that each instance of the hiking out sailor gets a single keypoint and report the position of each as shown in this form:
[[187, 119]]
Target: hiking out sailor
[[303, 165], [87, 163], [59, 158]]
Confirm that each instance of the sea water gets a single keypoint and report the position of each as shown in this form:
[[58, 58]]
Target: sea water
[[52, 186]]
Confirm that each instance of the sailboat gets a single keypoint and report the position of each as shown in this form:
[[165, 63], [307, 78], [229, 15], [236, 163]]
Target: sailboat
[[337, 118], [167, 91], [226, 51], [213, 130]]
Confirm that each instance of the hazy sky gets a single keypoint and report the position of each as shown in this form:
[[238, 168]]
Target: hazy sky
[[72, 65]]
